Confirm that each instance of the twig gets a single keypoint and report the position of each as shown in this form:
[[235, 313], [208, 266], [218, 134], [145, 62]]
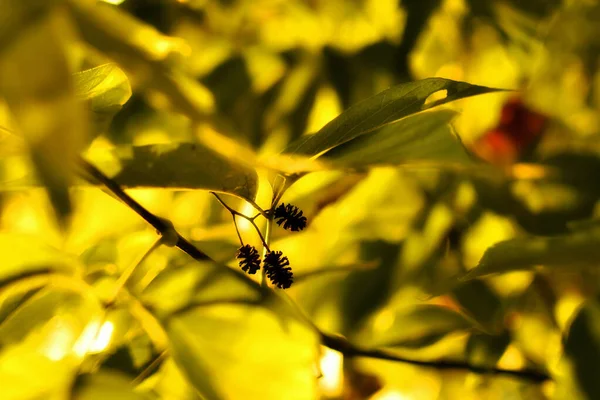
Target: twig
[[350, 350], [237, 230], [158, 223], [247, 218], [266, 250]]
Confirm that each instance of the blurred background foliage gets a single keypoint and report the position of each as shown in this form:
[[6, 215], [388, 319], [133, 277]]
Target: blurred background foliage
[[489, 255]]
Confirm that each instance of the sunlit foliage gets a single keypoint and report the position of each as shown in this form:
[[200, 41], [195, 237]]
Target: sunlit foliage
[[299, 199]]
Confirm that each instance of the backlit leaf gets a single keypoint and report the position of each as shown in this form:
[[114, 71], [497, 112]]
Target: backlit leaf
[[106, 89], [382, 109], [425, 137]]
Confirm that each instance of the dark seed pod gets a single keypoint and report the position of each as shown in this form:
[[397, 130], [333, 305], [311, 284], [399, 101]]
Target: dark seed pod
[[290, 216], [249, 259], [277, 269]]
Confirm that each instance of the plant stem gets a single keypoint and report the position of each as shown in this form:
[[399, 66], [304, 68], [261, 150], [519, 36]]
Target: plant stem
[[156, 222], [237, 230], [266, 249], [350, 350], [247, 218]]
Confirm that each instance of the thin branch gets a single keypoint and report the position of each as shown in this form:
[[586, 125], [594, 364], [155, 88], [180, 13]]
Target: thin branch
[[247, 218], [350, 350], [257, 207], [152, 219], [231, 210], [262, 238], [256, 216], [265, 240], [237, 230]]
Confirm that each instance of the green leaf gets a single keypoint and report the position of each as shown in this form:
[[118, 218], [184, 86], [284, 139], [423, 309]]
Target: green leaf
[[180, 166], [577, 248], [106, 89], [582, 346], [105, 385], [148, 55], [35, 81], [382, 109], [421, 326], [224, 350], [186, 283], [418, 138]]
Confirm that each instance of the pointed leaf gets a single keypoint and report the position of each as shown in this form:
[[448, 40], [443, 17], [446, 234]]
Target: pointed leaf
[[425, 137], [577, 248], [384, 108], [180, 166]]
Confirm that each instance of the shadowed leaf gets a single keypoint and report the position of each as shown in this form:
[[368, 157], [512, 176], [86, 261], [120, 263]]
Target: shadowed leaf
[[582, 346], [577, 248], [180, 166], [421, 326]]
